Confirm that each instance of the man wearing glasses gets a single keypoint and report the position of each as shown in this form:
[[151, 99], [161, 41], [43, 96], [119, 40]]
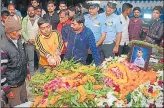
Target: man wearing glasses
[[49, 44], [139, 61]]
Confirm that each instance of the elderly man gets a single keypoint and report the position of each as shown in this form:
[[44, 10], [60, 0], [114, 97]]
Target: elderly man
[[49, 44], [16, 69], [139, 61], [64, 20]]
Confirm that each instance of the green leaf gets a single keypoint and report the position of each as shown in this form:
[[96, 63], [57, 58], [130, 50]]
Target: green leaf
[[75, 102], [85, 105], [128, 97], [90, 86]]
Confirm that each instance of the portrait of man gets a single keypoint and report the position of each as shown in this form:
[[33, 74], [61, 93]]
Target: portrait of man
[[139, 61]]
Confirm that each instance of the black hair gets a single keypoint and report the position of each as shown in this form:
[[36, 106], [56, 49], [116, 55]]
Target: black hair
[[38, 7], [140, 49], [126, 6], [5, 13], [30, 6], [72, 8], [158, 8], [51, 2], [137, 8], [78, 9], [62, 2], [79, 18], [43, 20], [65, 11], [11, 4], [36, 1]]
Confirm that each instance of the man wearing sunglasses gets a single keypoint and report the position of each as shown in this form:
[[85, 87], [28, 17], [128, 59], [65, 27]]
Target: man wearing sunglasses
[[49, 44]]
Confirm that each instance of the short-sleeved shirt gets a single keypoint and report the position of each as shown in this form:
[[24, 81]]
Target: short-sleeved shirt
[[125, 33], [96, 25], [113, 26]]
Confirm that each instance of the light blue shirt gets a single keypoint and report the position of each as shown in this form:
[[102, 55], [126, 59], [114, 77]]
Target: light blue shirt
[[139, 61], [96, 25], [113, 26]]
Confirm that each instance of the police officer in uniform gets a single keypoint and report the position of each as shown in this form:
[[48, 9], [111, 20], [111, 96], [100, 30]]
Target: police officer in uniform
[[113, 25], [95, 23]]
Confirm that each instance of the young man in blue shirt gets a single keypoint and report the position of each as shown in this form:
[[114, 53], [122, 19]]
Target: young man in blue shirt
[[79, 40]]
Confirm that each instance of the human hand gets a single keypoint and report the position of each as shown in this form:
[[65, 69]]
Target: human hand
[[115, 49], [28, 77], [51, 60], [89, 51], [58, 59], [57, 52], [10, 95], [31, 41]]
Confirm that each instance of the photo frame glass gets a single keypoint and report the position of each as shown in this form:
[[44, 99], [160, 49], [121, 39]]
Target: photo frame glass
[[140, 56]]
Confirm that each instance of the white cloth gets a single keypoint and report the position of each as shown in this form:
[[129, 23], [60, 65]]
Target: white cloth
[[139, 61], [43, 12], [125, 33], [32, 30]]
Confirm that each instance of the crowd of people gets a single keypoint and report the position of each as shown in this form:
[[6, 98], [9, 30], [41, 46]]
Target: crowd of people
[[43, 39]]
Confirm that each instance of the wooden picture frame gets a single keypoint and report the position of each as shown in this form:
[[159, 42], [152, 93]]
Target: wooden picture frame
[[140, 56]]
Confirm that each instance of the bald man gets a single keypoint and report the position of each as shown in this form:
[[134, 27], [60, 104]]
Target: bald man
[[12, 10]]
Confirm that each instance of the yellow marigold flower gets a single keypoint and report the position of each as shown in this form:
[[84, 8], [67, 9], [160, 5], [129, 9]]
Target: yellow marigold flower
[[154, 94], [144, 91]]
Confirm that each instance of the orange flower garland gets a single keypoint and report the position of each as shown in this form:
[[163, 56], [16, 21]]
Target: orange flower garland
[[122, 69]]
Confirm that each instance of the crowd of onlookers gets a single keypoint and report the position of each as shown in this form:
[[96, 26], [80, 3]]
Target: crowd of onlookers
[[43, 39]]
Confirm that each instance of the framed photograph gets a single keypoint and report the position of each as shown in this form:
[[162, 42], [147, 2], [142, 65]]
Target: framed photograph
[[140, 55]]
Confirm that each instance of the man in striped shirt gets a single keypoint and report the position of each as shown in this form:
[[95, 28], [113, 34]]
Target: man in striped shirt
[[49, 44]]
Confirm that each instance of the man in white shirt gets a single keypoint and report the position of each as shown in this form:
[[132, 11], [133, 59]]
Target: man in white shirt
[[30, 30], [139, 61], [126, 10]]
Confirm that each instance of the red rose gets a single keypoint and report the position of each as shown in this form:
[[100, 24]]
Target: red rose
[[161, 61], [160, 83], [151, 105], [106, 106], [117, 88], [150, 90]]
